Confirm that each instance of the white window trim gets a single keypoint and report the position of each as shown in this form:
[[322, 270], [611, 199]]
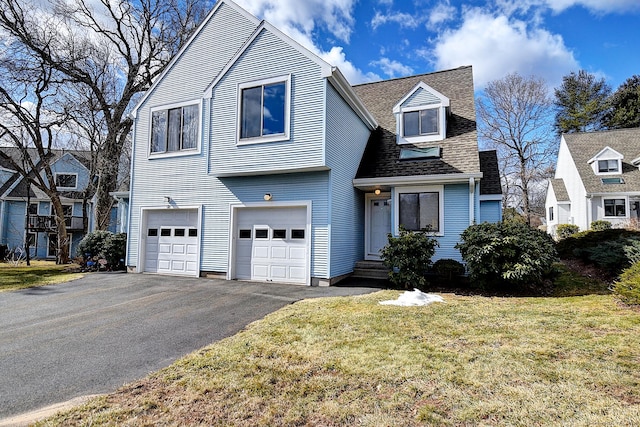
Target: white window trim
[[626, 207], [440, 136], [418, 189], [287, 111], [597, 168], [55, 179], [179, 153]]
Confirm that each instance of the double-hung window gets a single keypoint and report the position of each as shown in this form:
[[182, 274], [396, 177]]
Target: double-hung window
[[420, 208], [421, 122], [608, 166], [615, 207], [175, 129], [264, 111]]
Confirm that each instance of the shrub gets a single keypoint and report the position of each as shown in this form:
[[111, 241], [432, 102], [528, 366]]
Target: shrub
[[507, 253], [103, 245], [408, 257], [628, 286], [610, 250], [600, 225], [448, 269], [567, 230]]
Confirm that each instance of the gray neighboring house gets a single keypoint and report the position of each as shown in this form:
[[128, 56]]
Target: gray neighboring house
[[597, 178]]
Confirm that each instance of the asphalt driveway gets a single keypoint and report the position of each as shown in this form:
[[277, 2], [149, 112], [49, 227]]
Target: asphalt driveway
[[95, 334]]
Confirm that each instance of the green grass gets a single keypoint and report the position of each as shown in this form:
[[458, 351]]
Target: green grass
[[349, 361], [40, 273]]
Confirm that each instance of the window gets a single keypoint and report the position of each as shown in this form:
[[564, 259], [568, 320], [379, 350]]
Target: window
[[175, 129], [244, 234], [616, 180], [280, 234], [165, 232], [152, 232], [264, 110], [615, 207], [420, 210], [179, 232], [297, 234], [608, 166], [262, 233], [33, 209], [551, 213], [68, 214], [422, 122], [193, 232], [66, 180]]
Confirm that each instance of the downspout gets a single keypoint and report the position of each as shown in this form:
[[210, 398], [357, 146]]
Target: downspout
[[472, 192], [589, 210]]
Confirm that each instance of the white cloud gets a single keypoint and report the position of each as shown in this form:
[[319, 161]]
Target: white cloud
[[299, 19], [405, 20], [496, 46], [443, 12], [392, 68], [558, 6]]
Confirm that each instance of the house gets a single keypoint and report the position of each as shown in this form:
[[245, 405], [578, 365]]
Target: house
[[25, 211], [254, 159], [597, 178]]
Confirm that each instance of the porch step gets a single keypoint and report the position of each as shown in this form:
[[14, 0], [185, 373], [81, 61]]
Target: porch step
[[370, 270]]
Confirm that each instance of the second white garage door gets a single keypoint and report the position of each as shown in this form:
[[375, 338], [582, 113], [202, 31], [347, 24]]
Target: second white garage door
[[271, 244]]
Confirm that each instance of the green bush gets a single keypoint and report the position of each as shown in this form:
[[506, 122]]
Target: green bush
[[600, 225], [507, 253], [567, 230], [408, 257], [611, 250], [628, 286], [103, 245], [448, 269]]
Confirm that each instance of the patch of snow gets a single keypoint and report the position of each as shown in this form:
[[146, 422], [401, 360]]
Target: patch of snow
[[414, 298]]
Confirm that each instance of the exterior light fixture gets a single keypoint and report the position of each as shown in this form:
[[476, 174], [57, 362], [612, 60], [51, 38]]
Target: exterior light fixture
[[377, 192], [268, 197]]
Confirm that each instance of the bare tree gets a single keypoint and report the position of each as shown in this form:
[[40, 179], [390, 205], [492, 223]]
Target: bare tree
[[109, 51], [515, 119], [26, 93]]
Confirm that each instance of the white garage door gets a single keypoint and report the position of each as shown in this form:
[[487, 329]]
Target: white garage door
[[271, 244], [172, 242]]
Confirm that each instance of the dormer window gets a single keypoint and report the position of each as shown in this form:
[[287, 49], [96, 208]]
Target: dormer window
[[421, 122], [421, 116], [607, 162], [608, 166]]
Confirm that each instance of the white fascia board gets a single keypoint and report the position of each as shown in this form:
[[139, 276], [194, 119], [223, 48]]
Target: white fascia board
[[443, 99], [344, 88], [264, 25], [7, 170], [487, 197], [614, 194], [195, 34], [366, 183]]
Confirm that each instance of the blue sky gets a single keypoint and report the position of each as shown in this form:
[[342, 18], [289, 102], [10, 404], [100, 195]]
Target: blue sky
[[380, 39]]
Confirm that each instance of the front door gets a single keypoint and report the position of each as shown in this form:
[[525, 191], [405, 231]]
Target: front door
[[378, 225]]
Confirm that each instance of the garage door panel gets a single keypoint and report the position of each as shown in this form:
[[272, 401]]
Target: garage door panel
[[172, 242], [267, 248]]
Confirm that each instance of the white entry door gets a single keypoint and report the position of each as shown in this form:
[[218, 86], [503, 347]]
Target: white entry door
[[172, 242], [271, 244], [379, 226]]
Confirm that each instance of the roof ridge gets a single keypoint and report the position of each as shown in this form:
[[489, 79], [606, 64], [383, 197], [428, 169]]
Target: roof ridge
[[413, 76]]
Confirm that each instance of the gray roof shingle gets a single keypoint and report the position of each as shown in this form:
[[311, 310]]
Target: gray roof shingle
[[459, 149], [584, 146], [490, 182], [560, 190]]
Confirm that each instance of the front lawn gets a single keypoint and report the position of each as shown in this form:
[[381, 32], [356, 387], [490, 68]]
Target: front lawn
[[38, 274], [473, 360]]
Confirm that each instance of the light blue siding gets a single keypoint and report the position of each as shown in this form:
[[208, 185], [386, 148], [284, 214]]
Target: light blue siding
[[68, 164], [268, 57], [346, 139], [421, 97], [490, 211], [15, 212], [456, 220]]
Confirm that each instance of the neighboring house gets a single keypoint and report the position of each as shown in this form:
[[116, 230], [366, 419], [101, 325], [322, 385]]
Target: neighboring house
[[597, 178], [25, 211], [254, 159]]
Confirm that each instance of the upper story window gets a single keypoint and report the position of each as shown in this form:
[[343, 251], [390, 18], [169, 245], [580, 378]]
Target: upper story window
[[263, 110], [421, 122], [66, 181], [421, 116], [608, 166], [175, 129]]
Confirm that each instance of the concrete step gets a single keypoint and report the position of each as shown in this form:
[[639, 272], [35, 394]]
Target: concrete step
[[371, 265], [367, 273]]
